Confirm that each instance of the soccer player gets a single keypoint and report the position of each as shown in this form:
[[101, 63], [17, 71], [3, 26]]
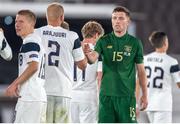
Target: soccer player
[[65, 25], [29, 85], [62, 47], [120, 53], [84, 103], [5, 49], [162, 71]]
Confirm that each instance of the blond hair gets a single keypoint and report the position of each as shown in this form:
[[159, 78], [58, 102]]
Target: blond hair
[[91, 28], [54, 11]]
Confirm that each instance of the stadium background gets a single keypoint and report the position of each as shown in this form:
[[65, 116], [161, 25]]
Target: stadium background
[[147, 16]]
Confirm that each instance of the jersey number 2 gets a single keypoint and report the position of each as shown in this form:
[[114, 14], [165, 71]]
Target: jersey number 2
[[54, 53]]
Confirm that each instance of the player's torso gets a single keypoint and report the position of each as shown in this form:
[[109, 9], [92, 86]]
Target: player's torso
[[33, 88], [85, 79], [59, 45], [157, 66], [118, 56]]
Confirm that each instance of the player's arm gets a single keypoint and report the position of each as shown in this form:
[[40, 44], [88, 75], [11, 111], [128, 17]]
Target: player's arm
[[5, 49], [137, 97], [78, 54], [178, 84], [12, 90], [91, 55], [143, 83], [175, 72], [82, 64], [99, 71]]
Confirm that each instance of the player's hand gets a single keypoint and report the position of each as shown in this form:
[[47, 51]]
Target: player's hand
[[86, 49], [1, 30], [137, 111], [143, 103], [12, 90]]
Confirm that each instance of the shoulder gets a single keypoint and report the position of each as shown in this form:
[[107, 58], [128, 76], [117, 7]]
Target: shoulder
[[72, 34], [171, 59], [133, 38], [105, 38], [35, 38]]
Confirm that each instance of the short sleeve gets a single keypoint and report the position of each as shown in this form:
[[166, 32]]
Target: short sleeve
[[139, 53]]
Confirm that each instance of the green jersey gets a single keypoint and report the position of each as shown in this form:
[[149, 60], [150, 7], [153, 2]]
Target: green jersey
[[119, 56]]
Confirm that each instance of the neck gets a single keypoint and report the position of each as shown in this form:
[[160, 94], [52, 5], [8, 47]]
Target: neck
[[119, 33], [161, 50], [30, 32], [54, 23]]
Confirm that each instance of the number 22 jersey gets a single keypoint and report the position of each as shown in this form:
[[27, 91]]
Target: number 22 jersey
[[162, 70]]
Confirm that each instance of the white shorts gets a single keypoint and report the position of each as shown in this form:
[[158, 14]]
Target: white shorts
[[83, 112], [30, 112], [58, 109], [160, 116]]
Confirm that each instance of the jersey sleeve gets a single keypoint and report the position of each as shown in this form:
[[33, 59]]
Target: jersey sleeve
[[175, 71], [31, 51], [98, 47], [78, 53], [139, 53], [5, 49]]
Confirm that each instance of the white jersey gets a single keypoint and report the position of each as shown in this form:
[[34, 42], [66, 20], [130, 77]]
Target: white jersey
[[62, 47], [5, 49], [32, 50], [162, 70], [85, 83]]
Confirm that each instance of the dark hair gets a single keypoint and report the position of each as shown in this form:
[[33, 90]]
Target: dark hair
[[157, 39], [31, 16], [122, 9]]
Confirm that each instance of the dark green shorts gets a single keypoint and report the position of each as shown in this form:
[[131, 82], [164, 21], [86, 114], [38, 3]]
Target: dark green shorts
[[114, 109]]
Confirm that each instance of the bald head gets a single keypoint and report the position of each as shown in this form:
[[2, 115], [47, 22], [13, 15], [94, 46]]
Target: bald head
[[55, 12]]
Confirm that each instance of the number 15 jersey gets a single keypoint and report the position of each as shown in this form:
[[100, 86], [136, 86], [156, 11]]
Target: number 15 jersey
[[162, 70], [62, 48]]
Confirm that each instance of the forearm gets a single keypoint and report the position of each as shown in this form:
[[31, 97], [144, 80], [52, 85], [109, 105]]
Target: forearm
[[30, 70], [91, 57], [143, 83]]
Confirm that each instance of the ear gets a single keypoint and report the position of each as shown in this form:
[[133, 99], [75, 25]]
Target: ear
[[62, 18]]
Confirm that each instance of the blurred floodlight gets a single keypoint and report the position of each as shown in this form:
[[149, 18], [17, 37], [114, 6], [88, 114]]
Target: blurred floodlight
[[8, 20]]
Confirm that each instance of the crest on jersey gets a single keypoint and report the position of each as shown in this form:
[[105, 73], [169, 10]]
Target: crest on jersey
[[127, 50]]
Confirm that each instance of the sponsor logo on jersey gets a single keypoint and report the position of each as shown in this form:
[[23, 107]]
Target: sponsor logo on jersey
[[109, 46]]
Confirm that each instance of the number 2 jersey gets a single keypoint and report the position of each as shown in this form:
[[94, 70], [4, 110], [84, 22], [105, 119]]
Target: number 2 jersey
[[62, 47], [162, 70], [32, 50]]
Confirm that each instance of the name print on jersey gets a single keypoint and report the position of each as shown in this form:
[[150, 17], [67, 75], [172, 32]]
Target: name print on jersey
[[56, 34]]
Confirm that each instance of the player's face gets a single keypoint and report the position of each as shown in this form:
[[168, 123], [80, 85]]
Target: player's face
[[23, 26], [120, 21]]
